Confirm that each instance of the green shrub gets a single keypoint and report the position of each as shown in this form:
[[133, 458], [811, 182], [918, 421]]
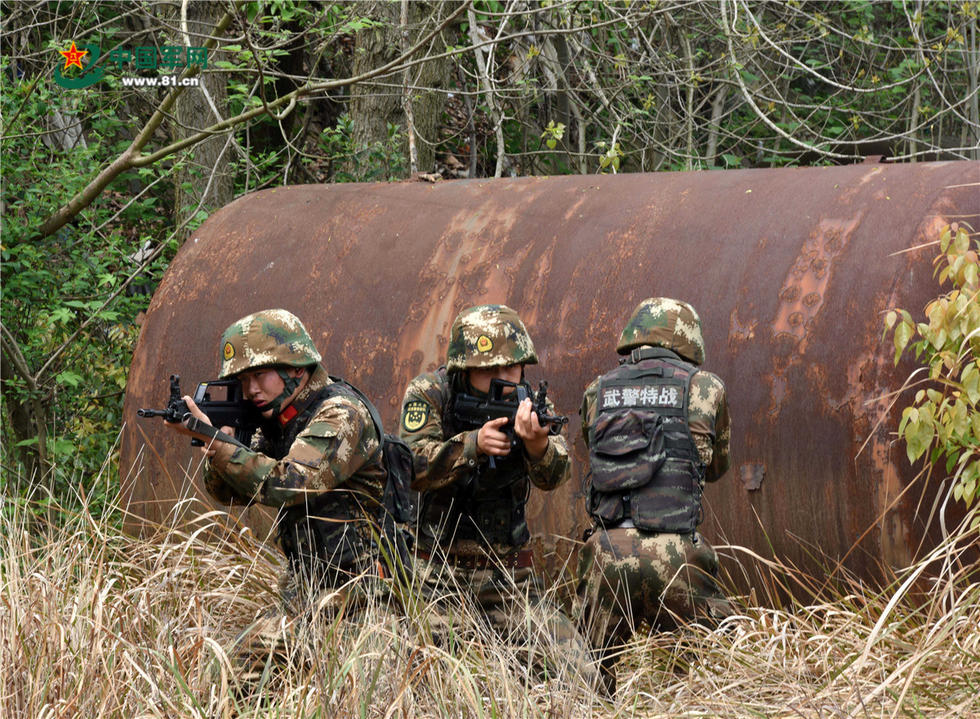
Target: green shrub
[[944, 417]]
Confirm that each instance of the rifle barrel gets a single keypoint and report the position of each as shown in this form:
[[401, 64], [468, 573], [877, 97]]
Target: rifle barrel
[[151, 412]]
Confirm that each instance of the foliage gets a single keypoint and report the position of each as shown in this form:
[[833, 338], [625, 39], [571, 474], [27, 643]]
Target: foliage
[[68, 313], [711, 85], [380, 161], [943, 421]]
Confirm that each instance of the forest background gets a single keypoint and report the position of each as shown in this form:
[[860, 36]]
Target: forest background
[[103, 179]]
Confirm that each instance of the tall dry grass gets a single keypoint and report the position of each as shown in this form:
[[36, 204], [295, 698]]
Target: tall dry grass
[[94, 623]]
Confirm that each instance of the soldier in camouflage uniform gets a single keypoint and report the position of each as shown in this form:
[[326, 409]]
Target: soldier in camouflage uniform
[[317, 458], [474, 487], [657, 428]]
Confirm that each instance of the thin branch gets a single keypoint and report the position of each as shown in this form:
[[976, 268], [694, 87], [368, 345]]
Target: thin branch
[[12, 349]]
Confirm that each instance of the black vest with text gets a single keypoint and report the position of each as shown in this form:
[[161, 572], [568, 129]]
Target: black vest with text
[[644, 463]]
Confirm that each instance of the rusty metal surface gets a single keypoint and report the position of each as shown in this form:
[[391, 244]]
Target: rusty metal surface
[[790, 269]]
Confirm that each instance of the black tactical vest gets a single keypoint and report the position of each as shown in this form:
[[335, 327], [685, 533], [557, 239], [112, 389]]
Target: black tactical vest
[[644, 463], [321, 538], [487, 506]]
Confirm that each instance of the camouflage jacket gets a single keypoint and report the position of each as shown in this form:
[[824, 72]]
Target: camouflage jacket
[[708, 420], [442, 459], [337, 450]]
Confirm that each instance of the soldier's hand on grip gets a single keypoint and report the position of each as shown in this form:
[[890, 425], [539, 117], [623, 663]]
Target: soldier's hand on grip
[[527, 427], [491, 440]]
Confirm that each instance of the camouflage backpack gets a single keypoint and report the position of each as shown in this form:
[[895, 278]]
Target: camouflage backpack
[[400, 500]]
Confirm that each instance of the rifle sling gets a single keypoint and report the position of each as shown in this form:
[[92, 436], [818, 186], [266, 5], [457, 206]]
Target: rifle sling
[[198, 427]]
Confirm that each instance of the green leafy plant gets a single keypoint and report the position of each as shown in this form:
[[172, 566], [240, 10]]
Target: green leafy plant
[[612, 155], [944, 417], [553, 133]]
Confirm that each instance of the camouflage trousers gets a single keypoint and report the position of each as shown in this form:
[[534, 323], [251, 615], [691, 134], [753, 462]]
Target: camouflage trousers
[[518, 609], [628, 577]]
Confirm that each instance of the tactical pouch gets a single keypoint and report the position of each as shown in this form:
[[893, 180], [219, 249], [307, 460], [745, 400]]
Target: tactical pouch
[[671, 502], [492, 505], [627, 450], [607, 509]]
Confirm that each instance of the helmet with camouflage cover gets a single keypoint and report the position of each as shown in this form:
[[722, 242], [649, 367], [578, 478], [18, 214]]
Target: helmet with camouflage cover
[[264, 339], [488, 336], [663, 322]]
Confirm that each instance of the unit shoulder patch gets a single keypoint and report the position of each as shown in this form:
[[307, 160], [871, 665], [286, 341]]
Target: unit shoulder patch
[[415, 415]]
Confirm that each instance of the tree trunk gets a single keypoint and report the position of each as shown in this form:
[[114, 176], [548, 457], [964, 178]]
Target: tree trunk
[[204, 182], [23, 426], [374, 106]]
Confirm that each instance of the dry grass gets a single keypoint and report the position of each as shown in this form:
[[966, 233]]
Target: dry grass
[[94, 623]]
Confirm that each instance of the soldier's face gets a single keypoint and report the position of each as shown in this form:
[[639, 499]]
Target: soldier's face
[[261, 386], [480, 377]]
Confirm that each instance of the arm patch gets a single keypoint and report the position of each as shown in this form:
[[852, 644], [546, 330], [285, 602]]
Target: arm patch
[[415, 415]]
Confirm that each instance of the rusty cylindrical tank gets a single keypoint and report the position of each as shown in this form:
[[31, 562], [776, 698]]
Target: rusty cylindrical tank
[[790, 269]]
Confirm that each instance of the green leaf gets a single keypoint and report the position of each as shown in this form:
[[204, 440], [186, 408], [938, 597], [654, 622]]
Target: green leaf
[[918, 441], [903, 333], [970, 381], [60, 315], [961, 243], [68, 378], [909, 414], [732, 160], [970, 275], [61, 447], [950, 463]]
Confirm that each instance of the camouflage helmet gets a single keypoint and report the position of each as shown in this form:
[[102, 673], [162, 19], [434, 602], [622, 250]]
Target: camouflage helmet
[[663, 322], [263, 339], [488, 336]]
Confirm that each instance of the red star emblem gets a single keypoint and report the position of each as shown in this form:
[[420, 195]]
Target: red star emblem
[[73, 56]]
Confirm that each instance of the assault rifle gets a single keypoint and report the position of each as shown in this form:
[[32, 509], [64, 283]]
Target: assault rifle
[[471, 412], [226, 408]]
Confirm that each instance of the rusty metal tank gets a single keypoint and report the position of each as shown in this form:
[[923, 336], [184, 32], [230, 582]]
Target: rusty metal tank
[[790, 269]]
